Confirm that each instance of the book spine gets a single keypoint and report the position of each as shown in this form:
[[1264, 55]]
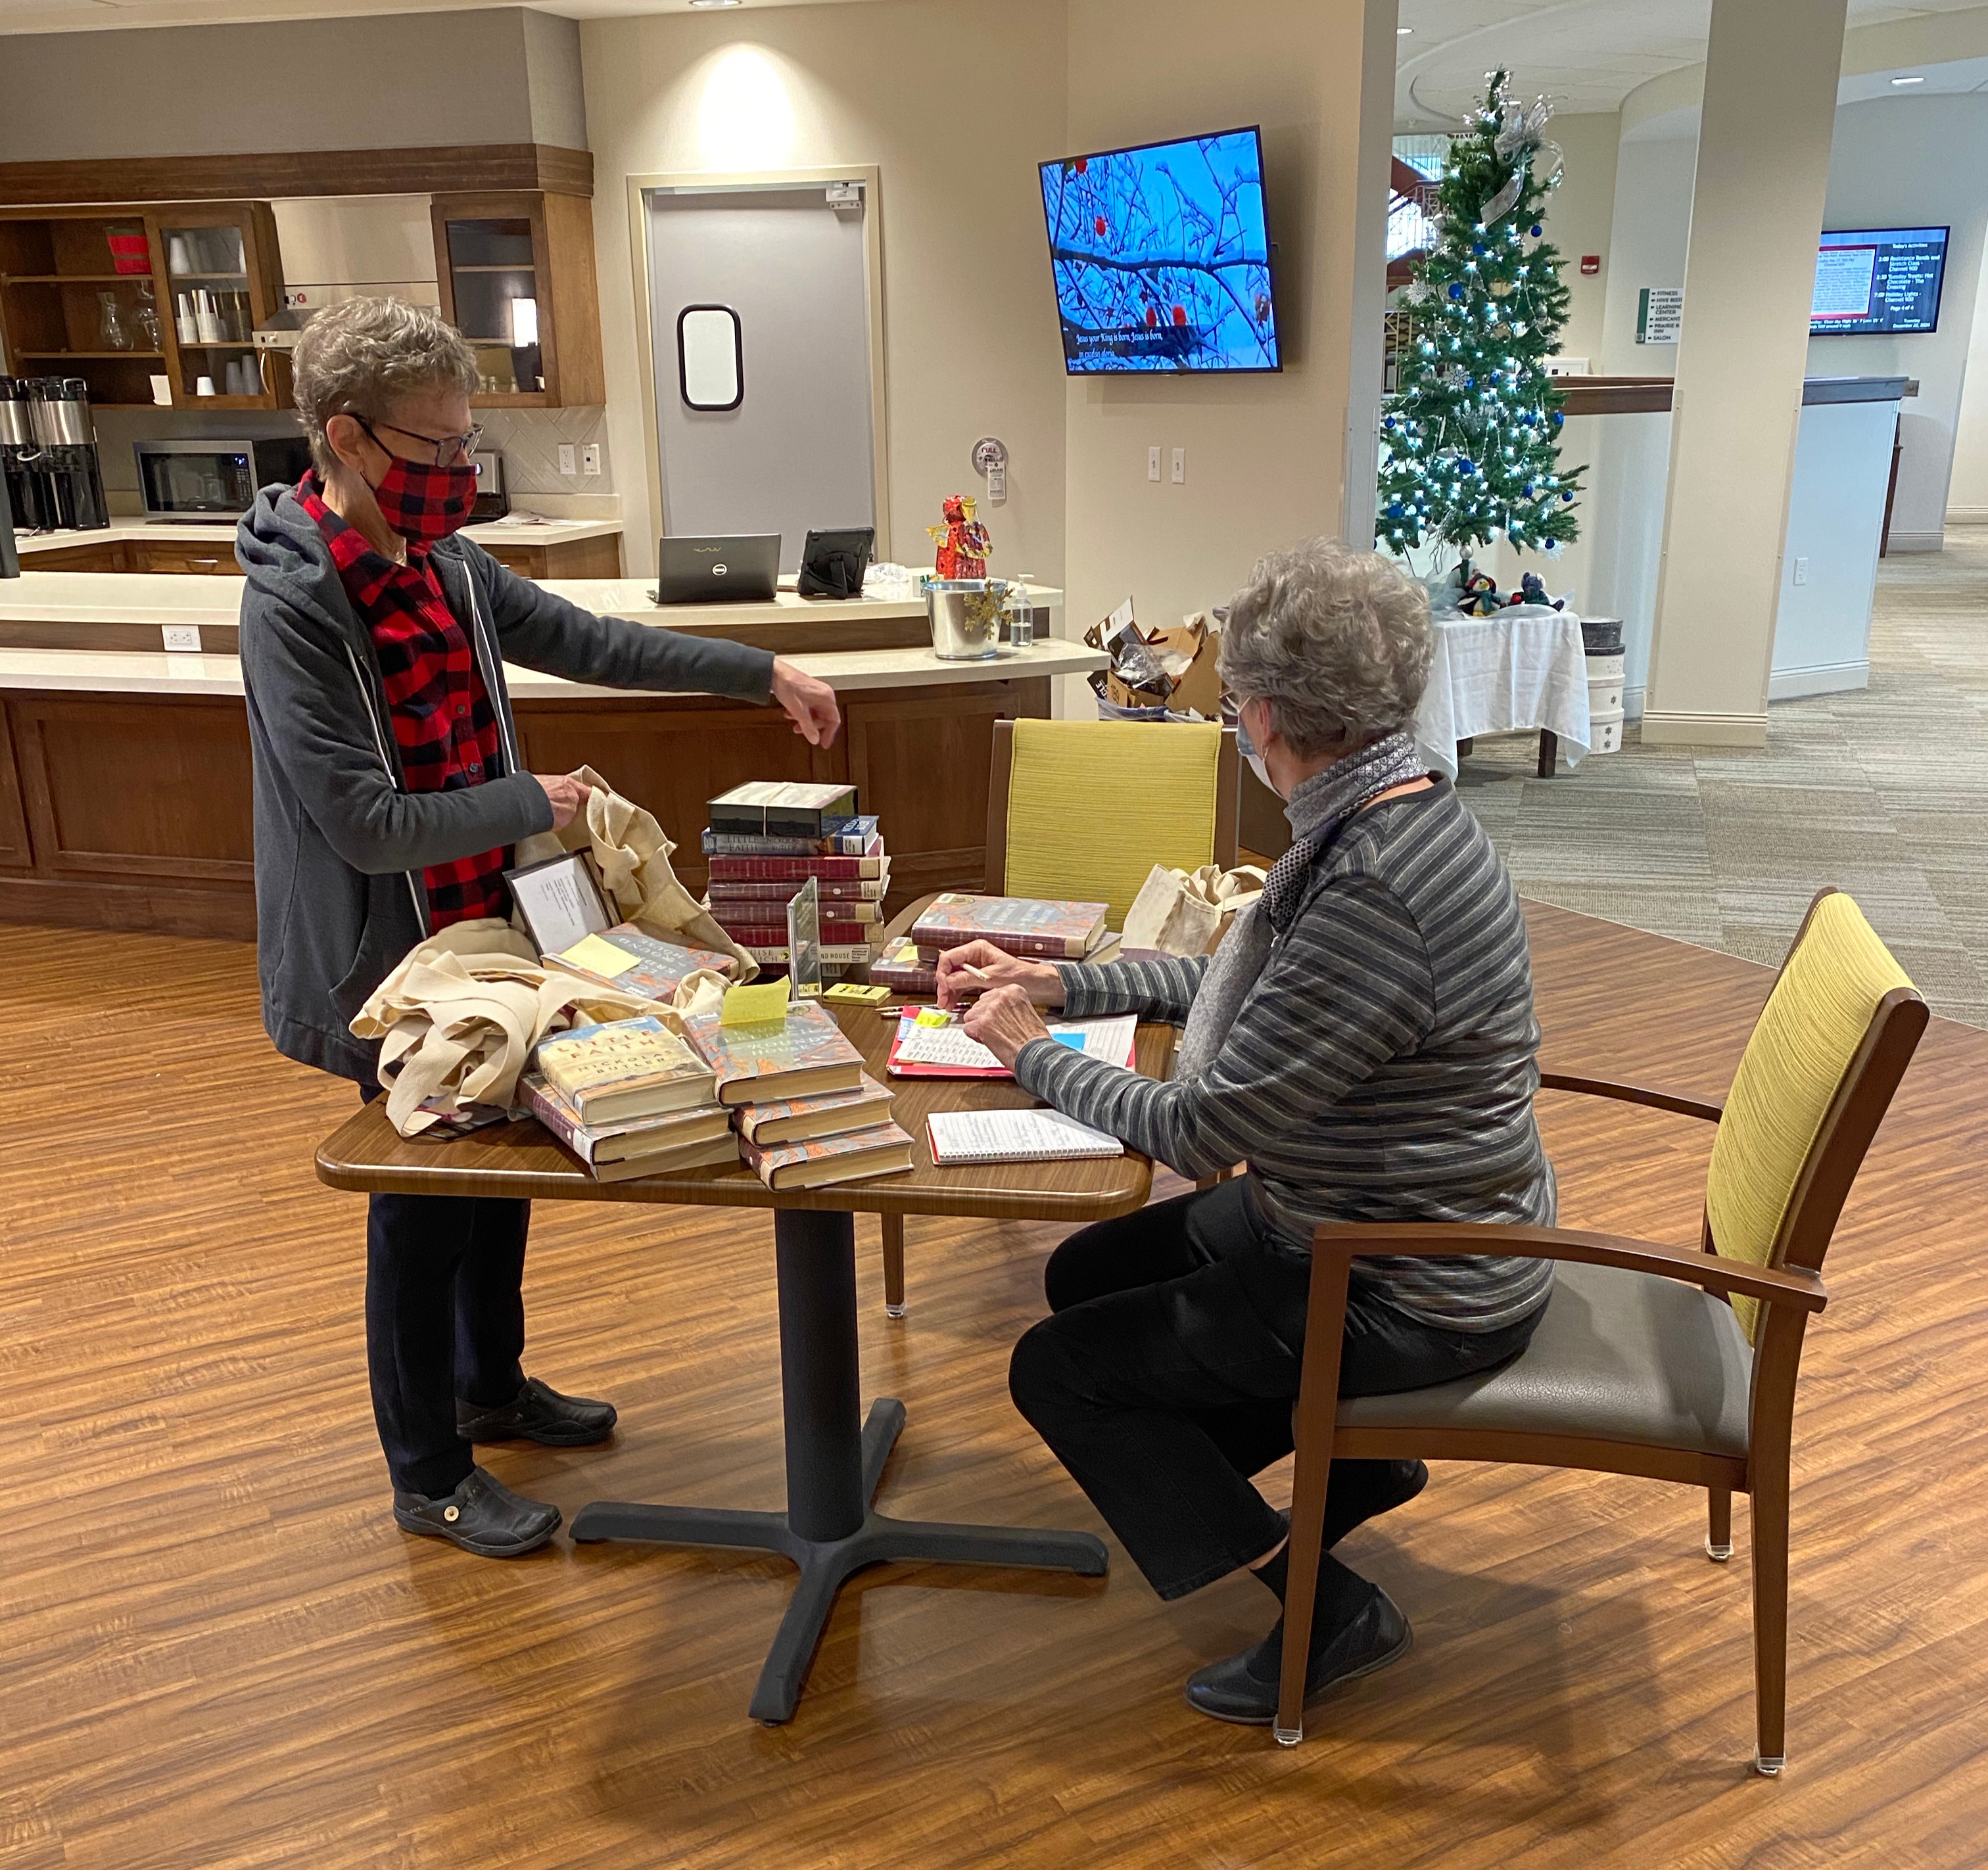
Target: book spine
[[748, 932], [851, 954], [932, 942], [853, 843], [794, 869], [861, 898], [555, 1117]]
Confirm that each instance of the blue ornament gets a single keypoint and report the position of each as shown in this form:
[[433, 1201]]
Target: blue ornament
[[1537, 230], [1386, 422], [1395, 509], [1467, 468], [1568, 496], [1455, 292], [1558, 418], [1478, 247]]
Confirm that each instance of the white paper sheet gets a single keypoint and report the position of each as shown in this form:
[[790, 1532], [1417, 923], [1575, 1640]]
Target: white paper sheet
[[1015, 1136]]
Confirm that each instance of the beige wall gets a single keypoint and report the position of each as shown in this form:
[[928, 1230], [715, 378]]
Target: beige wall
[[1579, 215], [1265, 455], [956, 103]]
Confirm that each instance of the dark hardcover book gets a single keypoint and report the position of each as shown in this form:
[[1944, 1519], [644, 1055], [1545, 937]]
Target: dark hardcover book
[[797, 870], [757, 932], [820, 1160], [782, 809], [843, 954], [635, 963], [613, 1152], [871, 890], [803, 1054], [728, 908], [858, 837], [899, 967], [1017, 925]]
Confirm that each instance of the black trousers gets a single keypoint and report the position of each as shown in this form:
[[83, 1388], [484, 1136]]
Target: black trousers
[[1164, 1379], [445, 1318]]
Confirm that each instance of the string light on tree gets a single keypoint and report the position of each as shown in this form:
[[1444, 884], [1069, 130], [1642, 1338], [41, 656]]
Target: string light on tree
[[1470, 439]]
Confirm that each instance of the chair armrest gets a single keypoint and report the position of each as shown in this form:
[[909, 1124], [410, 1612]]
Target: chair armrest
[[1656, 1099], [1417, 1239]]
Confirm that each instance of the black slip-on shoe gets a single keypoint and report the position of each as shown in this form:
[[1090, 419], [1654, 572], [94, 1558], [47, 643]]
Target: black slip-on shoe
[[482, 1516], [538, 1413], [1243, 1687]]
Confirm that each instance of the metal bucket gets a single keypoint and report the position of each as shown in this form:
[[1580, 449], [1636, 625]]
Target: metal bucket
[[965, 614]]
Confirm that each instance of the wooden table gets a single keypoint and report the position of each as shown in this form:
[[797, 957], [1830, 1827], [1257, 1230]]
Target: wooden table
[[834, 1460]]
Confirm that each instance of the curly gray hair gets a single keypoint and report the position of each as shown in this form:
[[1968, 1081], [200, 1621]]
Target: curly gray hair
[[1335, 641], [361, 356]]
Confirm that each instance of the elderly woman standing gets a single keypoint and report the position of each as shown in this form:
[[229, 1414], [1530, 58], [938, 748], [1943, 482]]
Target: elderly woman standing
[[389, 791], [1364, 1039]]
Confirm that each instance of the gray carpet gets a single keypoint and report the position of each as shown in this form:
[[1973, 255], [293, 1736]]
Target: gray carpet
[[1883, 794]]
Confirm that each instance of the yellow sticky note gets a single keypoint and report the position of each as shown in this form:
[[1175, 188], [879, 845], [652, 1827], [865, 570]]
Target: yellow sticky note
[[931, 1016], [754, 1006], [597, 955]]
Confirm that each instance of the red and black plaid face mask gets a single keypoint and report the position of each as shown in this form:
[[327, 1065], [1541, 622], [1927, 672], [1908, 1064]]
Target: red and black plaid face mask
[[423, 503]]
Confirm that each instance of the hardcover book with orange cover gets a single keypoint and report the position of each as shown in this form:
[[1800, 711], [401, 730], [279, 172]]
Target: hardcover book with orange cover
[[803, 1055], [635, 963], [796, 1119], [884, 1150]]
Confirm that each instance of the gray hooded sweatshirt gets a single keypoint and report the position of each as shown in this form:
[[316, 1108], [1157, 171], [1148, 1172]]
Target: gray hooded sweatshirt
[[341, 843]]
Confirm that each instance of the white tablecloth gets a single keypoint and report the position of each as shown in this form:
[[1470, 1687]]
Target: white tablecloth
[[1519, 668]]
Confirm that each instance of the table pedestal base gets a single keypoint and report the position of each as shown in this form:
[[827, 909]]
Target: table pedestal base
[[831, 1530]]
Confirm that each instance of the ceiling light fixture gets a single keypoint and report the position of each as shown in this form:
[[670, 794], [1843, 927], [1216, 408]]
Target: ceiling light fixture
[[1909, 81], [700, 5], [1403, 32]]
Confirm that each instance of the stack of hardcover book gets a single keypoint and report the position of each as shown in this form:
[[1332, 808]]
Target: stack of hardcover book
[[1016, 925], [766, 838], [629, 1097], [637, 963], [807, 1113]]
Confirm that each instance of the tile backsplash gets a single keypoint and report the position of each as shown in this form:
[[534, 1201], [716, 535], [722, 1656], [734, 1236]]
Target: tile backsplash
[[529, 441]]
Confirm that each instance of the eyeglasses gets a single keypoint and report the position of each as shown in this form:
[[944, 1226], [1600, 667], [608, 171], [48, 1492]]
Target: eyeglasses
[[448, 449]]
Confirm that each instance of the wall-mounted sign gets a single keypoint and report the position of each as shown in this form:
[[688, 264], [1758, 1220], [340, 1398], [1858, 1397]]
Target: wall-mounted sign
[[1659, 314]]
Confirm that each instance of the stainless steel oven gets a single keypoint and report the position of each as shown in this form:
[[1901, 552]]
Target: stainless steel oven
[[209, 480]]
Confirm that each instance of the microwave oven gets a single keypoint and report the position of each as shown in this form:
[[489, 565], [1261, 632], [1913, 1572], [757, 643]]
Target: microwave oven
[[214, 480]]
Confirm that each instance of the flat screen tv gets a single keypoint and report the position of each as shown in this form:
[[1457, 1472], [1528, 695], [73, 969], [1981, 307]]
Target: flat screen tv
[[1878, 279], [1162, 257]]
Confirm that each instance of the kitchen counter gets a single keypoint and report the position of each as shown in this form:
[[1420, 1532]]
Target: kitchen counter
[[125, 774]]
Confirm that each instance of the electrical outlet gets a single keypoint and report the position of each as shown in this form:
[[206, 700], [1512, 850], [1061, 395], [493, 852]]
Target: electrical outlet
[[590, 459], [1801, 571], [1180, 467], [567, 464], [1152, 464]]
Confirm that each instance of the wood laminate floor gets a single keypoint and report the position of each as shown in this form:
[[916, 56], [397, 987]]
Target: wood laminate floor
[[217, 1652]]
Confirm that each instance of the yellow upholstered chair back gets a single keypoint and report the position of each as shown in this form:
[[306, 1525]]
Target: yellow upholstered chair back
[[1808, 1033], [1089, 807]]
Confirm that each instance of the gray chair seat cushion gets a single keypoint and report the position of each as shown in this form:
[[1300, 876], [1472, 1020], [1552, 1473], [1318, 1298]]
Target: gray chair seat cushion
[[1619, 1356]]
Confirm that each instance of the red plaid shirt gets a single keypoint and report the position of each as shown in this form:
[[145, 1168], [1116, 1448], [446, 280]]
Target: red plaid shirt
[[444, 727]]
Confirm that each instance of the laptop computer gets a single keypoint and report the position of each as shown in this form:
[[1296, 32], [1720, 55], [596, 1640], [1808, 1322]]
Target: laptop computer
[[717, 568]]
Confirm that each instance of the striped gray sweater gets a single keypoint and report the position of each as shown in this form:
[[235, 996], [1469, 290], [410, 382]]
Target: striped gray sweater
[[1382, 1068]]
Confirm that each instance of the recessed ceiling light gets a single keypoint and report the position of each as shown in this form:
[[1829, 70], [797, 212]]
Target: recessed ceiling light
[[1909, 81], [700, 4], [1403, 32]]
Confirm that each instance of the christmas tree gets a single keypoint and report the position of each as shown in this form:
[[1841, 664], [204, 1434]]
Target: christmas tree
[[1470, 439]]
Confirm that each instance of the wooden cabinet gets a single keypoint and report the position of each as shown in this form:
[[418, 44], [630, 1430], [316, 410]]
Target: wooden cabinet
[[133, 811], [596, 558], [181, 556], [101, 293], [516, 276], [106, 555]]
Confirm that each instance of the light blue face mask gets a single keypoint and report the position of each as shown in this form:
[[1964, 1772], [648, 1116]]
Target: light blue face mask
[[1247, 747]]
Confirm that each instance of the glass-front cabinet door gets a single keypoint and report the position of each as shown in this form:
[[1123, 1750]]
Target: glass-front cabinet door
[[223, 278]]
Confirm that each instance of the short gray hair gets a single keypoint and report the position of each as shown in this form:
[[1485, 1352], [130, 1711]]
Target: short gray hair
[[1335, 641], [361, 356]]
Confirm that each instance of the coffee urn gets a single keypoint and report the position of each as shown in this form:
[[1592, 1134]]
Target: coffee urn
[[58, 409], [19, 453]]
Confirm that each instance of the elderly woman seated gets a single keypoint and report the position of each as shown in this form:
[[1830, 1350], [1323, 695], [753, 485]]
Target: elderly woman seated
[[1363, 1040]]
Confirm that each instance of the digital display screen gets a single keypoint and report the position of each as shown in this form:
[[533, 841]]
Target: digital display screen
[[1162, 258], [1878, 279]]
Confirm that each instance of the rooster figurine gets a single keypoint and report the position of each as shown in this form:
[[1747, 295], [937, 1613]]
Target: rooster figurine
[[963, 543]]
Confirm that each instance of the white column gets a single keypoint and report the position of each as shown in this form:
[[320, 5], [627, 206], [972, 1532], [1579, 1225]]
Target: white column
[[1770, 81], [1370, 270]]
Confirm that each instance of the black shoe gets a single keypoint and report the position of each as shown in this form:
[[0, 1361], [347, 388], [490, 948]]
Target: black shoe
[[537, 1413], [1243, 1689], [482, 1516]]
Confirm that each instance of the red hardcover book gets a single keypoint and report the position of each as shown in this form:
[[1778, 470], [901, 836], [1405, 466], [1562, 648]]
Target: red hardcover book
[[637, 963], [762, 911], [870, 890], [797, 870], [797, 1119], [803, 1054], [900, 969], [1016, 925], [884, 1150], [752, 932]]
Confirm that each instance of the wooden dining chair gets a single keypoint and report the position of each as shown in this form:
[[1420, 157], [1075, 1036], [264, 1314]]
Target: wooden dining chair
[[1081, 810], [1671, 1363]]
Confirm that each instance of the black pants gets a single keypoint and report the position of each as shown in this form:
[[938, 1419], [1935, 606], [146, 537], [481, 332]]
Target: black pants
[[445, 1318], [1165, 1376]]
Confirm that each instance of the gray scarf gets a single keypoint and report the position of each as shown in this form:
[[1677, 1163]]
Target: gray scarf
[[1316, 810]]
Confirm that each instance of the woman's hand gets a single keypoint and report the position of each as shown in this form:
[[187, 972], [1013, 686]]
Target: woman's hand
[[569, 796], [1004, 1020], [979, 966], [810, 704]]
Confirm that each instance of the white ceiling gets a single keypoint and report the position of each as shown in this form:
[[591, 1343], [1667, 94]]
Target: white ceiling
[[1585, 54]]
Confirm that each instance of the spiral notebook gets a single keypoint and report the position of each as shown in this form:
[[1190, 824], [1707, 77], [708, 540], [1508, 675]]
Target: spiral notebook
[[1014, 1137]]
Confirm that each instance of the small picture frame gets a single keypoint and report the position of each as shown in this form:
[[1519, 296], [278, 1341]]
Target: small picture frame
[[561, 901]]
